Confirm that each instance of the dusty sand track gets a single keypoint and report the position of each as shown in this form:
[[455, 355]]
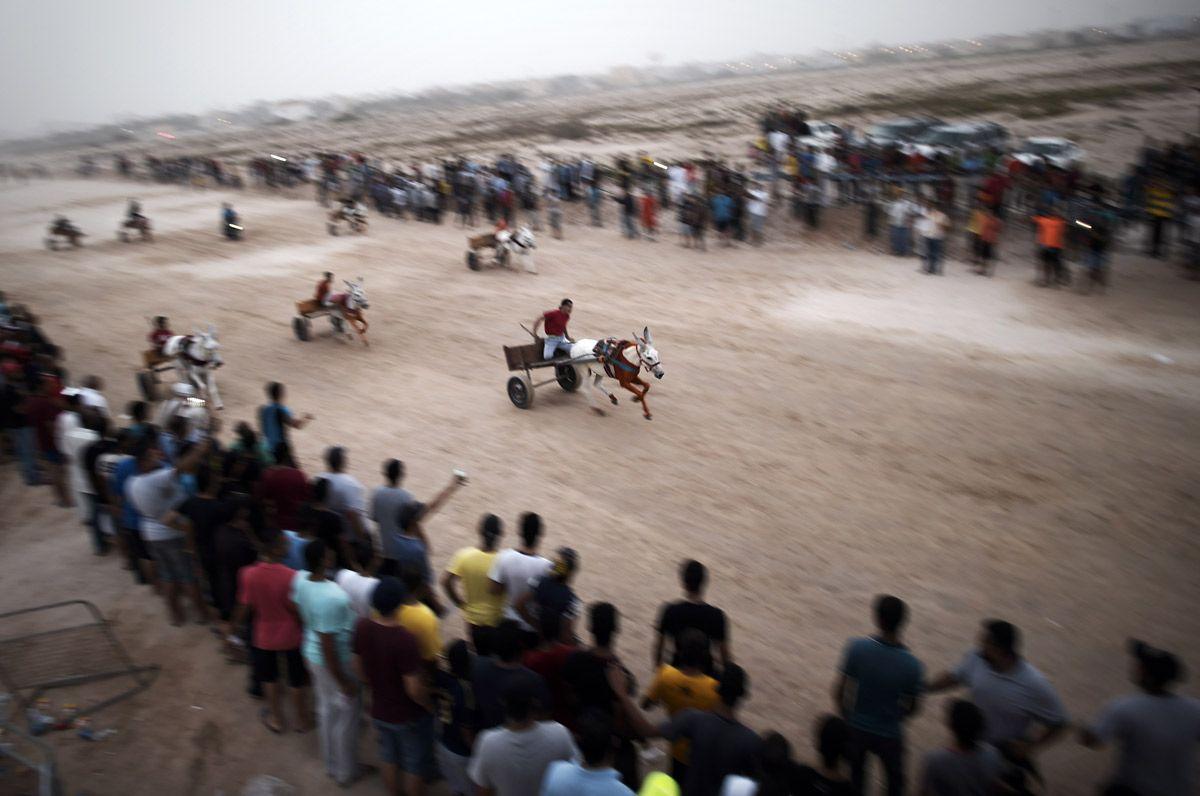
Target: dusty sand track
[[832, 425]]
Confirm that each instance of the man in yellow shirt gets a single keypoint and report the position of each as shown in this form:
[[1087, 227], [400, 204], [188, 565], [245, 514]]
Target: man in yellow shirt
[[416, 617], [684, 687], [480, 607]]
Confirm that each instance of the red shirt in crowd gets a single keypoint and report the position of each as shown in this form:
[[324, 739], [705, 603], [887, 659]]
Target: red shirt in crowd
[[996, 185], [286, 489], [40, 412], [388, 653], [556, 322], [549, 664], [649, 210], [265, 586]]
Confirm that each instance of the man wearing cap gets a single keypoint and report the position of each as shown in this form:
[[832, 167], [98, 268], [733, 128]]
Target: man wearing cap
[[557, 338], [1156, 731], [1013, 695], [552, 593]]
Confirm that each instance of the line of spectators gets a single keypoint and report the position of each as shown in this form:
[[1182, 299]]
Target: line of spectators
[[331, 595]]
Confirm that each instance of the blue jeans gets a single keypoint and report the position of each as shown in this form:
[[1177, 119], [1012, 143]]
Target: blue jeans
[[899, 236], [629, 225], [553, 344], [99, 540], [594, 206], [933, 255], [22, 441], [408, 746]]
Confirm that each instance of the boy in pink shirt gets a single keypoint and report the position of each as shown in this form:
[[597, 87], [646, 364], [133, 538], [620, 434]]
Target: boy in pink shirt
[[264, 589]]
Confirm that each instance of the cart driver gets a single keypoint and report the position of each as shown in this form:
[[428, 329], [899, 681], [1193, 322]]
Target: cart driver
[[323, 288], [160, 334], [557, 338]]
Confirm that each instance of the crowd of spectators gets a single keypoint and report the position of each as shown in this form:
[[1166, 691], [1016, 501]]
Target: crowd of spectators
[[330, 592]]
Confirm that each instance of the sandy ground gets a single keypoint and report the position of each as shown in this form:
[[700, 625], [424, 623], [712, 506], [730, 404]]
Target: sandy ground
[[832, 425]]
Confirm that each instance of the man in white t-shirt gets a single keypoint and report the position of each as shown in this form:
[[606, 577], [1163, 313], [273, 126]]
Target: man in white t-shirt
[[90, 395], [931, 228], [1156, 731], [347, 495], [900, 213], [514, 568], [74, 444], [756, 205], [359, 588], [155, 492]]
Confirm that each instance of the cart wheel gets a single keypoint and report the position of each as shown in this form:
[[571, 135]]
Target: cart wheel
[[339, 325], [502, 257], [472, 260], [520, 392], [147, 385], [301, 328], [567, 376]]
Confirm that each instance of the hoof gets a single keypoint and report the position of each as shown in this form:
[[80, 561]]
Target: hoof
[[613, 398], [598, 411], [648, 417], [637, 399]]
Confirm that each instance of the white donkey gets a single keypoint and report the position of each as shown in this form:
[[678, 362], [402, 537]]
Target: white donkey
[[619, 359], [521, 242], [197, 356], [346, 309]]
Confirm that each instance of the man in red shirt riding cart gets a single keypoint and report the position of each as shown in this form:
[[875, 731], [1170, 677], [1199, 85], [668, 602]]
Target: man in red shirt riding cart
[[557, 338]]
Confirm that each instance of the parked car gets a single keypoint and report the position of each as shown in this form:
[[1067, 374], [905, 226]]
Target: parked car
[[1059, 152], [947, 139], [821, 136], [901, 130]]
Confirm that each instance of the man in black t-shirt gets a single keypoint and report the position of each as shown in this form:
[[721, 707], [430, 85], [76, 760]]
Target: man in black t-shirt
[[692, 612], [490, 676], [589, 687], [205, 513]]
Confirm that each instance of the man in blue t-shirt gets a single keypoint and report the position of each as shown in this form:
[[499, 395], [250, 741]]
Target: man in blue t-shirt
[[878, 689], [274, 419], [126, 516]]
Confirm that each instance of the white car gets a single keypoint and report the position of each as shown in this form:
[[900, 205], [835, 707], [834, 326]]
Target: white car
[[1059, 152], [948, 139], [821, 135]]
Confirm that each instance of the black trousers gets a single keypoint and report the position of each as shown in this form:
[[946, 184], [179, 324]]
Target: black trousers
[[890, 752], [1158, 225]]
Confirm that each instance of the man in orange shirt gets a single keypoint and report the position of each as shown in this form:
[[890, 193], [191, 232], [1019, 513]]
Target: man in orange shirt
[[989, 235], [684, 687], [1051, 230]]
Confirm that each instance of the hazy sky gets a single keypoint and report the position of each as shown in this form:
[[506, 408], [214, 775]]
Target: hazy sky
[[65, 61]]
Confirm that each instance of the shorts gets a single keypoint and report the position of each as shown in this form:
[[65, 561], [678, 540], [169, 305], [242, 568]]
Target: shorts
[[173, 559], [454, 770], [265, 664], [136, 546], [408, 746], [1051, 257]]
